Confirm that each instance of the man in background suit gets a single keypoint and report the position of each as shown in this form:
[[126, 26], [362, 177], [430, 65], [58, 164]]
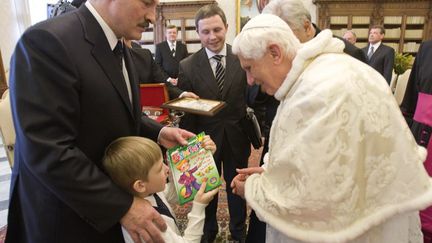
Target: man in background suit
[[350, 36], [149, 71], [380, 56], [73, 91], [200, 74], [169, 53]]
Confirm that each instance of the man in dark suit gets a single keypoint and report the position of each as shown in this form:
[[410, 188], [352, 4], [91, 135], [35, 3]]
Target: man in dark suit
[[169, 53], [71, 96], [379, 56], [149, 71], [215, 73]]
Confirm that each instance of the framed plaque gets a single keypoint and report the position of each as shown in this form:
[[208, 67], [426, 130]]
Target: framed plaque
[[196, 106]]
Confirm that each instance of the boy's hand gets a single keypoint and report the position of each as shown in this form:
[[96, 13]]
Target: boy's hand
[[209, 144], [205, 197]]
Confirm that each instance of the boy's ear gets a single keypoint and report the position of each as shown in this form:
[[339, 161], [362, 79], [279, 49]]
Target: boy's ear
[[140, 186]]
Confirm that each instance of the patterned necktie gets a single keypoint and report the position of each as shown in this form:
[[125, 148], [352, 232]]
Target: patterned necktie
[[172, 49], [118, 51], [220, 72], [370, 53], [161, 207]]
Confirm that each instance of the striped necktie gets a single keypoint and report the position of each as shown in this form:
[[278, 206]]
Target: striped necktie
[[172, 49], [220, 72], [370, 53]]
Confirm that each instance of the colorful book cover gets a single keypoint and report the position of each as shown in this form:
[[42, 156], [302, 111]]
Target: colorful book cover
[[190, 166]]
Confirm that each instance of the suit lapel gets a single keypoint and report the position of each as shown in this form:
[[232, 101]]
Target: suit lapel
[[177, 51], [134, 82], [104, 55], [229, 71]]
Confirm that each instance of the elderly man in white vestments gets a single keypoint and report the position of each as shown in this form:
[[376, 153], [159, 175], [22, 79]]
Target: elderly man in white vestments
[[342, 164]]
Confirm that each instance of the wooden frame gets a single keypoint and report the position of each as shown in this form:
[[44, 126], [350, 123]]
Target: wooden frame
[[196, 106]]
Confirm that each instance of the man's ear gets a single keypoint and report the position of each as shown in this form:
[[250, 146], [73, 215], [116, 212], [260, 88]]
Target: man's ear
[[309, 29], [140, 186], [276, 53]]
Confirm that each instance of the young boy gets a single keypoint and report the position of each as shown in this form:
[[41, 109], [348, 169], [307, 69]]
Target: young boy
[[135, 164]]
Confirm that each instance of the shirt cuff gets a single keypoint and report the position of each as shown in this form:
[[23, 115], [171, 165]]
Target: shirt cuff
[[198, 208], [160, 132]]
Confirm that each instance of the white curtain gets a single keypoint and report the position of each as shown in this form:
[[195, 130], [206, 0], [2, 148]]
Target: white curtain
[[23, 14], [14, 20]]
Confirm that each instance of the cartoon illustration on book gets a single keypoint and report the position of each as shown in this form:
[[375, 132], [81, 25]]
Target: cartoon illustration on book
[[190, 166], [187, 178]]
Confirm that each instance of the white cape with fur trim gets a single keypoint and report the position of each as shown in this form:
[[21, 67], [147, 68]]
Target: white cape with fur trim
[[342, 164]]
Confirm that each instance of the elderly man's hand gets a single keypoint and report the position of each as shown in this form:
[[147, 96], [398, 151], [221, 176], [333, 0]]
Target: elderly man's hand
[[171, 136], [238, 183], [251, 170], [143, 221]]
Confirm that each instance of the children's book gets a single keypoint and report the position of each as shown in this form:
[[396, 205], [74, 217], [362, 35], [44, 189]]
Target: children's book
[[190, 166]]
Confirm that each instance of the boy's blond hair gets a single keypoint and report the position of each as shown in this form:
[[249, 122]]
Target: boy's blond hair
[[128, 159]]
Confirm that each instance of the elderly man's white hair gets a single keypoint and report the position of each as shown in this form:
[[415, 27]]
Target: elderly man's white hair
[[293, 12], [260, 32]]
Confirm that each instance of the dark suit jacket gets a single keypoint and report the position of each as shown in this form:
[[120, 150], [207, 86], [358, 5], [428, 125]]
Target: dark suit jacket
[[150, 72], [164, 58], [68, 104], [197, 76], [382, 60], [420, 81]]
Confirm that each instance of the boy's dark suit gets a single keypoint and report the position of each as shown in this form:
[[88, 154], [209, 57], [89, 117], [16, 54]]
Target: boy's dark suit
[[382, 60], [165, 59], [68, 104], [150, 72], [233, 147]]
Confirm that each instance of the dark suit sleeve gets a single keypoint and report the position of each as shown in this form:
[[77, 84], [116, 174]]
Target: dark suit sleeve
[[188, 121], [388, 64], [359, 54], [45, 98], [159, 76], [353, 51], [185, 51]]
